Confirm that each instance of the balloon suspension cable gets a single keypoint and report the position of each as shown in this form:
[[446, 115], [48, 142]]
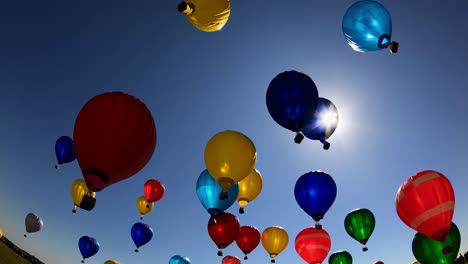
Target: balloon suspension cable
[[223, 195], [393, 47], [364, 249], [220, 253], [298, 138], [446, 249], [318, 226], [326, 145], [241, 210]]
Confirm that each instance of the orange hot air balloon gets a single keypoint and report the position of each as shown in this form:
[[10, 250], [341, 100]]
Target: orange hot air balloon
[[425, 202], [313, 245]]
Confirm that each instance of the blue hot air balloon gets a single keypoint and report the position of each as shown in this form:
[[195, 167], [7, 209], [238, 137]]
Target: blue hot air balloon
[[64, 150], [178, 259], [324, 122], [88, 247], [315, 193], [208, 190], [291, 99], [367, 26], [141, 234]]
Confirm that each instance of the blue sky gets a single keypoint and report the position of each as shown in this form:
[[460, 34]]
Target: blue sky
[[400, 114]]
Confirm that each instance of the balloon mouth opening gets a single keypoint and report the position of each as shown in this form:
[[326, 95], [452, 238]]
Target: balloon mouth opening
[[96, 179], [214, 212], [317, 217], [441, 235], [384, 41], [225, 184], [243, 202]]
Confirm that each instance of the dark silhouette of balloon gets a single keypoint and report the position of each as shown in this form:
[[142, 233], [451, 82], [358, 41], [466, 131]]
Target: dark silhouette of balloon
[[291, 100], [224, 230], [313, 245], [430, 251], [178, 259], [367, 26], [231, 260], [154, 190], [248, 239], [33, 223], [360, 224], [141, 234], [208, 190], [425, 202], [115, 137], [88, 247], [340, 257], [324, 122], [378, 262], [64, 150], [315, 193]]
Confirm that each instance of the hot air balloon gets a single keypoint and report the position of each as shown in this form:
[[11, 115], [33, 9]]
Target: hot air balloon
[[415, 262], [274, 239], [141, 234], [360, 224], [154, 190], [340, 257], [249, 188], [248, 239], [313, 245], [206, 15], [291, 100], [208, 191], [178, 259], [88, 246], [367, 26], [425, 202], [1, 233], [224, 230], [230, 156], [33, 223], [82, 197], [111, 262], [324, 122], [105, 156], [378, 262], [143, 206], [64, 150], [430, 251], [315, 193], [231, 260]]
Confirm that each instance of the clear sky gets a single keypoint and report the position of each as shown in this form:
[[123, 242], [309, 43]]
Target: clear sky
[[400, 114]]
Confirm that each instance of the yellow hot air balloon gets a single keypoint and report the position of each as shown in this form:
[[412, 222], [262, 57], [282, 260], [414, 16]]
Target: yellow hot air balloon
[[1, 233], [249, 188], [111, 262], [206, 15], [230, 156], [274, 239], [78, 191], [143, 206]]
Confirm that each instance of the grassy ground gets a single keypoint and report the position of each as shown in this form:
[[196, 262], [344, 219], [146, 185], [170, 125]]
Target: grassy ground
[[8, 256]]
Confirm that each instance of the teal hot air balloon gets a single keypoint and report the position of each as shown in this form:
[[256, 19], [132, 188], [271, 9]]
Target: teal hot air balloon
[[430, 251], [340, 257], [360, 224]]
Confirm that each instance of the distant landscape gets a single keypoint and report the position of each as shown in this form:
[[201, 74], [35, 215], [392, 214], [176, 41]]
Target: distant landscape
[[12, 254]]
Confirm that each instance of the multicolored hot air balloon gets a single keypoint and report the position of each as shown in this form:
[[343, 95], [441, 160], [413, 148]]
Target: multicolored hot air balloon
[[154, 190], [275, 239], [206, 15], [82, 197], [291, 100], [88, 246], [249, 188], [141, 234], [430, 251], [324, 122], [360, 224], [143, 206], [231, 260], [313, 245], [106, 157], [230, 156], [248, 239], [224, 230], [178, 259], [425, 202], [340, 257], [315, 193], [33, 223], [367, 26], [64, 150]]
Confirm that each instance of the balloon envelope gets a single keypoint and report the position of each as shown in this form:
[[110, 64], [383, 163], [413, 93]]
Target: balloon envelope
[[340, 257], [367, 26], [111, 262], [360, 224], [78, 191], [64, 150], [143, 206], [324, 122], [208, 190], [430, 251], [206, 15], [315, 193], [231, 260], [313, 245], [154, 190], [248, 239], [88, 246], [178, 259], [33, 223], [250, 187], [105, 156], [141, 234], [224, 230], [275, 239]]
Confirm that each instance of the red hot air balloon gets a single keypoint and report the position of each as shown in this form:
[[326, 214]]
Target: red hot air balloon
[[154, 190], [425, 202], [231, 260], [378, 262], [248, 239], [114, 138], [224, 230], [313, 245]]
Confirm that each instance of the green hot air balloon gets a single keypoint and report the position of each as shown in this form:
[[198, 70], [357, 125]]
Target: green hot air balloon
[[360, 224], [340, 257], [430, 251]]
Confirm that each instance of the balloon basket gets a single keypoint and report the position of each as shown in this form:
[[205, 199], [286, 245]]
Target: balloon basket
[[82, 261], [318, 226], [223, 196], [364, 249], [298, 138], [220, 253], [56, 167], [393, 47], [272, 261], [212, 221], [136, 250], [25, 235], [245, 257], [74, 211], [141, 217], [241, 210]]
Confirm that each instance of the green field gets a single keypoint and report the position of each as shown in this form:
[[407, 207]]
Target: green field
[[8, 256]]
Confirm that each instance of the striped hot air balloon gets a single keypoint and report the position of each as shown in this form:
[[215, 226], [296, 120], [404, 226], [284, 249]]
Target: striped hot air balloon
[[313, 245]]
